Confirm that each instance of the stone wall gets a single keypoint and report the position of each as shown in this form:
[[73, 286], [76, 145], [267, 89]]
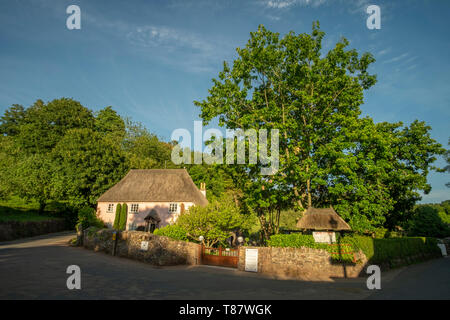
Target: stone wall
[[303, 264], [11, 230], [162, 251]]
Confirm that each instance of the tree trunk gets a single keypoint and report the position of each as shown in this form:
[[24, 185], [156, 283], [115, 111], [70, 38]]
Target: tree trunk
[[41, 207]]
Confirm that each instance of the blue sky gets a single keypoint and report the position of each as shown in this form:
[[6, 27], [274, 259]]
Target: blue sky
[[151, 59]]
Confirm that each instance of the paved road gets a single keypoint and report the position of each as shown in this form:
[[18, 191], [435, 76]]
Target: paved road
[[35, 268]]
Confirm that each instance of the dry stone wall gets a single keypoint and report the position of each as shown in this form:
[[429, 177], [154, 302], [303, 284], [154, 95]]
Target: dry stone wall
[[160, 251], [11, 230], [303, 263]]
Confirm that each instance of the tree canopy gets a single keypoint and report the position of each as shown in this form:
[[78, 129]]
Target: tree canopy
[[329, 154]]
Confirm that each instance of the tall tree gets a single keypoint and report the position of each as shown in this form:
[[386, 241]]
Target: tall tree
[[110, 124], [45, 124], [287, 84], [11, 120], [447, 159], [88, 165]]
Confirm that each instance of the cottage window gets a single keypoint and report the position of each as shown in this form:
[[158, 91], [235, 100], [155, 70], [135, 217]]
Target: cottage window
[[134, 208], [110, 207], [173, 208]]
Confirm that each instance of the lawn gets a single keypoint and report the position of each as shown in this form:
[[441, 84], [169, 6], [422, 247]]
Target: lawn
[[17, 209]]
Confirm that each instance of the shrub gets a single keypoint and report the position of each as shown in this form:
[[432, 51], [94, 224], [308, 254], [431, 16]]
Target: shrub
[[123, 217], [427, 222], [377, 251], [87, 218], [380, 233], [172, 231], [298, 240], [380, 251], [117, 217], [215, 222]]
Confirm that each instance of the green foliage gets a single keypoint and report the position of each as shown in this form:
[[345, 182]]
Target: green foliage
[[87, 218], [31, 177], [117, 216], [298, 240], [215, 222], [427, 221], [110, 124], [123, 217], [61, 151], [377, 251], [144, 150], [17, 209], [101, 160], [371, 173], [380, 251], [172, 231], [447, 159], [11, 120], [45, 124]]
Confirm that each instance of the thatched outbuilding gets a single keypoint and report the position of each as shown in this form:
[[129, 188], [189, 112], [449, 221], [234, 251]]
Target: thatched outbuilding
[[322, 219]]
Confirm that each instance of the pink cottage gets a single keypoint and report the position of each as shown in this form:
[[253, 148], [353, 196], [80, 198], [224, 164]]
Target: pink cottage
[[155, 198]]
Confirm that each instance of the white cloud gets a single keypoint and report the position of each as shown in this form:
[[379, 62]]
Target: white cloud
[[397, 58]]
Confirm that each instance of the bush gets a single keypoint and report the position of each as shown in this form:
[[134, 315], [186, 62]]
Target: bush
[[117, 217], [172, 231], [298, 240], [427, 222], [123, 217], [380, 233], [214, 222], [379, 251], [87, 218]]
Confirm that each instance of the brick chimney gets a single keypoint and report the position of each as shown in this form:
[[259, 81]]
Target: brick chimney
[[203, 188]]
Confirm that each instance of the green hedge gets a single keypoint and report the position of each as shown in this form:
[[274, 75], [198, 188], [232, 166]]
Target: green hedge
[[297, 240], [123, 217], [172, 231], [117, 217], [388, 250], [377, 251]]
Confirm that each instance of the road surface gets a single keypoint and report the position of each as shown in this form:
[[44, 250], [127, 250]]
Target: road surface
[[35, 268]]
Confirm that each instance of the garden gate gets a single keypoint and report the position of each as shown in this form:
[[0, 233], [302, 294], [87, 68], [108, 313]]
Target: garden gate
[[224, 257]]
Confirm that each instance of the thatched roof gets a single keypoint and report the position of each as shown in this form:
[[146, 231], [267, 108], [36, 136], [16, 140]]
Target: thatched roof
[[322, 219], [155, 185]]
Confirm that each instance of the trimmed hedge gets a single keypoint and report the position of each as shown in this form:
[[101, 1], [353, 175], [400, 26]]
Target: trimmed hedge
[[297, 240], [378, 251], [117, 217], [172, 231], [390, 250], [123, 217]]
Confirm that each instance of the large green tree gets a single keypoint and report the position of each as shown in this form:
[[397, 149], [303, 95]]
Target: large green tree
[[328, 154], [88, 165], [45, 124]]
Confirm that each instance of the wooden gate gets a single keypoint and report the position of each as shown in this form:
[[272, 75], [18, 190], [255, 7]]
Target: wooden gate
[[220, 256]]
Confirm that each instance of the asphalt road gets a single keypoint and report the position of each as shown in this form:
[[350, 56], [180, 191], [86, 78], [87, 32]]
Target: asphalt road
[[35, 268]]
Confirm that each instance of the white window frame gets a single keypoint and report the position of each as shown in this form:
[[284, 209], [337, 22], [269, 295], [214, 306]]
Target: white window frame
[[134, 206], [171, 207], [108, 210]]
